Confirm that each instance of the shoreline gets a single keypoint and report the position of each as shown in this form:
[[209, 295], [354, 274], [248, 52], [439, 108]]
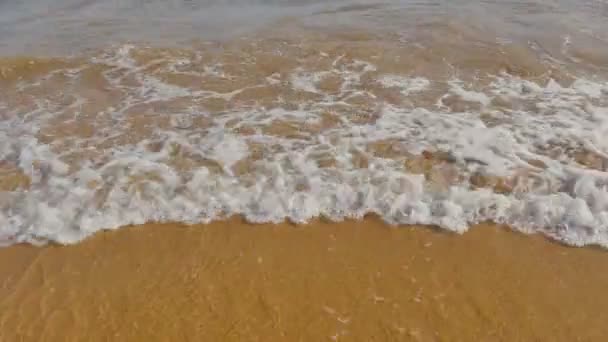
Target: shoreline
[[294, 112], [354, 280]]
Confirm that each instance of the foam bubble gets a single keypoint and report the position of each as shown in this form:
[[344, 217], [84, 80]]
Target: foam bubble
[[457, 88], [535, 163], [407, 85]]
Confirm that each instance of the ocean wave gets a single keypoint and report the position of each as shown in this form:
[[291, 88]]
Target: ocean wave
[[277, 130]]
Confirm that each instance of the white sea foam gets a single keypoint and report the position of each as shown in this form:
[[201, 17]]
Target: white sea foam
[[405, 84], [565, 200]]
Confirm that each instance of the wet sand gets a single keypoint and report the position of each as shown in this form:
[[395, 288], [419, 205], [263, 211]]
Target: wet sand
[[444, 112], [351, 281]]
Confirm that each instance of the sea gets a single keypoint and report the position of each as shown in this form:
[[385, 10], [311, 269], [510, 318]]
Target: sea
[[428, 112]]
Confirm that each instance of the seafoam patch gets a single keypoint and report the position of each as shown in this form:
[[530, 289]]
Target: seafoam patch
[[314, 163], [407, 85]]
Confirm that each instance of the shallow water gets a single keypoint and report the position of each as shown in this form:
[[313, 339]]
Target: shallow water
[[431, 112]]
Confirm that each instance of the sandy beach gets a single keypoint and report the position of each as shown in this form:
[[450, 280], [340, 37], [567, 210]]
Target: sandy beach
[[351, 281], [430, 115]]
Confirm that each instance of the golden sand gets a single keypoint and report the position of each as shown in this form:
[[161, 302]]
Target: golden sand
[[351, 281]]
